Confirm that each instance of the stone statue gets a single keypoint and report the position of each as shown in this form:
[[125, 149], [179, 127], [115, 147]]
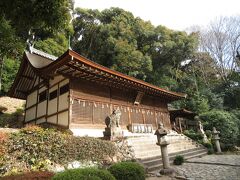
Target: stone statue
[[113, 128], [201, 130], [113, 120], [201, 127]]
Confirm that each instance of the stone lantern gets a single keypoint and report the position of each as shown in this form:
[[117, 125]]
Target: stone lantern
[[216, 139], [161, 133]]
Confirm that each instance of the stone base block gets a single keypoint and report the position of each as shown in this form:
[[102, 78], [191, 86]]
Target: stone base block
[[112, 134], [168, 171]]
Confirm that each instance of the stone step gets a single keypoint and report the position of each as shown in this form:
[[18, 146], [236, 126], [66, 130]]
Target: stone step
[[155, 147], [153, 138], [172, 156], [136, 139], [156, 166], [171, 144], [145, 155], [151, 144], [149, 153]]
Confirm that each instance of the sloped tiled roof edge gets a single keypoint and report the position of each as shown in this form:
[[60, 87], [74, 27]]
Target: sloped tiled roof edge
[[74, 55]]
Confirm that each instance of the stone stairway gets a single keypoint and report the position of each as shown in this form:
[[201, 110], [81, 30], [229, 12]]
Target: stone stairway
[[149, 154]]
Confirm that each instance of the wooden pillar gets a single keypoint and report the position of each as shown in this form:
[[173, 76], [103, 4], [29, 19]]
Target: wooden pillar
[[129, 115], [71, 100], [37, 101], [156, 121], [144, 118], [47, 100], [180, 125], [58, 94], [93, 106]]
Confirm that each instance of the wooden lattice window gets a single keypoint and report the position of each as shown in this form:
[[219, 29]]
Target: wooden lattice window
[[53, 95], [64, 89], [42, 96]]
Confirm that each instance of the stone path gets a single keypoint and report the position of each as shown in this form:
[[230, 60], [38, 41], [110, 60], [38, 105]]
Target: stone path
[[210, 167]]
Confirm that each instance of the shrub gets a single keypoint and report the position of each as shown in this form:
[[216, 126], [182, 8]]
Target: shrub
[[208, 134], [236, 113], [92, 149], [209, 146], [35, 148], [84, 174], [226, 123], [127, 171], [193, 135], [178, 160], [42, 175], [210, 151]]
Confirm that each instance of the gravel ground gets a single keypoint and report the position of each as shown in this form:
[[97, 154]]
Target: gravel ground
[[210, 167]]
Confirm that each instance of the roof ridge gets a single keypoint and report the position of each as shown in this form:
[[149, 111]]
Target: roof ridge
[[41, 53]]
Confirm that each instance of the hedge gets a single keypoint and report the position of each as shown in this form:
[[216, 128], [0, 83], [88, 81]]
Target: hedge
[[127, 171], [84, 174]]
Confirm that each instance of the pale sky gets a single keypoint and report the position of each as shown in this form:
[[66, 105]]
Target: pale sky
[[175, 14]]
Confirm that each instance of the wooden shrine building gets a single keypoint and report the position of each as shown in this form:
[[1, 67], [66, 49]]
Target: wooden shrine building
[[182, 119], [74, 92]]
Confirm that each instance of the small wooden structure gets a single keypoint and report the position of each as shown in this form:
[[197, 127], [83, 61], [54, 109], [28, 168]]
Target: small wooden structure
[[182, 119], [74, 92]]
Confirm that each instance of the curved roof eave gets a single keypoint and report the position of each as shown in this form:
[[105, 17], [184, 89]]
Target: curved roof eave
[[70, 55]]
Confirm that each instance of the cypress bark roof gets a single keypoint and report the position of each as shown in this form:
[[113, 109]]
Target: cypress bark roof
[[72, 65]]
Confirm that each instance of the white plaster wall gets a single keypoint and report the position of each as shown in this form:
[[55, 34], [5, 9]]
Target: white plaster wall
[[87, 132], [39, 121], [99, 132], [64, 82], [56, 80], [52, 104], [63, 99], [42, 109], [52, 119], [30, 114], [63, 102], [63, 118], [42, 89], [32, 99], [53, 88]]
